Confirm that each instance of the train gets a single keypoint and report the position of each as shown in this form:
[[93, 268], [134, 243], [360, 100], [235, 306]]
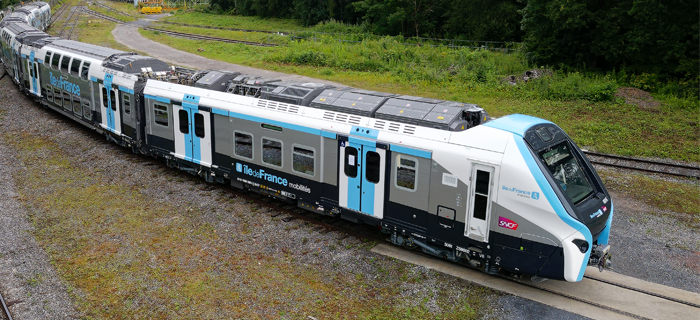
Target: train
[[512, 194]]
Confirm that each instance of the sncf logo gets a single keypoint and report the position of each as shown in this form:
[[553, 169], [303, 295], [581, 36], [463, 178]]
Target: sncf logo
[[507, 223]]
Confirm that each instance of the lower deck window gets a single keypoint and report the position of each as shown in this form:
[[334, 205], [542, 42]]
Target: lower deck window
[[77, 107], [303, 160], [243, 145], [66, 101], [87, 111], [272, 152], [406, 168], [57, 96], [160, 113]]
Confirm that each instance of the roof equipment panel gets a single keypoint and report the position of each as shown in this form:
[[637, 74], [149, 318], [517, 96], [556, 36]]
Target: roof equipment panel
[[349, 100]]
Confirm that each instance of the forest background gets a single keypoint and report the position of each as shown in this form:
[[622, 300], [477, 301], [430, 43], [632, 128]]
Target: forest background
[[648, 42]]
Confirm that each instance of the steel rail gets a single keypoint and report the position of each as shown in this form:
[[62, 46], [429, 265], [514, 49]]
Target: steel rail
[[201, 37], [102, 16], [695, 305], [72, 13], [5, 310], [679, 170], [77, 18], [58, 14]]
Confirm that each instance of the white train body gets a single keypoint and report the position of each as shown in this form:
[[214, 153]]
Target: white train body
[[513, 194]]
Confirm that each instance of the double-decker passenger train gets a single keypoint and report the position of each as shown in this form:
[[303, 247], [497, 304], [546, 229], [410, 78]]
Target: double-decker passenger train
[[513, 193]]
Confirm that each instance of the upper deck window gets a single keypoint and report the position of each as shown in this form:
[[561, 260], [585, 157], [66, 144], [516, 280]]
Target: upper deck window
[[567, 171]]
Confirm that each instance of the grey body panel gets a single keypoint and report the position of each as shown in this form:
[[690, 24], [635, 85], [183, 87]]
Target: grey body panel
[[155, 129], [446, 195], [417, 198], [224, 143], [330, 161], [526, 229]]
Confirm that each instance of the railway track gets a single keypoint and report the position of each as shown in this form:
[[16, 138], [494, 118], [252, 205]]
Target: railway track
[[208, 38], [650, 166], [57, 15], [102, 16], [5, 311], [74, 12]]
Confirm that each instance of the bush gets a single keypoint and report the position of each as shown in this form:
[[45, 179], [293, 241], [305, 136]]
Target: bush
[[573, 86]]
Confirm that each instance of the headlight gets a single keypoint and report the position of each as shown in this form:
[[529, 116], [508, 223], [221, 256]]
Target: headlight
[[582, 245]]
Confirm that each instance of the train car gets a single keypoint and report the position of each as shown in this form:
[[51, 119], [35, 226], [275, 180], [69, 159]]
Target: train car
[[510, 194]]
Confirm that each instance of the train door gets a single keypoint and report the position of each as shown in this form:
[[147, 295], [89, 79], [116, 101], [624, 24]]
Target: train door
[[111, 118], [192, 133], [33, 67], [479, 213], [361, 177]]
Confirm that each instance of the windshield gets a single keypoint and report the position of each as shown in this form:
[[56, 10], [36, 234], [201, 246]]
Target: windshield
[[567, 171]]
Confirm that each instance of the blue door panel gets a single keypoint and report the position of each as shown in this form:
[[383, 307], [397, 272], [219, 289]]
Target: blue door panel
[[354, 184], [367, 188]]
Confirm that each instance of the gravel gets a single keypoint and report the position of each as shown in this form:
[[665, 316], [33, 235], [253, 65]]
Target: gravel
[[28, 282]]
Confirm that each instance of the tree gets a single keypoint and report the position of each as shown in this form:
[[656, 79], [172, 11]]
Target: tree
[[640, 35]]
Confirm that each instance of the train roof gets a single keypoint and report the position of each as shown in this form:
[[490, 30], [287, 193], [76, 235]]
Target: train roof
[[83, 48], [19, 27], [516, 123], [133, 63]]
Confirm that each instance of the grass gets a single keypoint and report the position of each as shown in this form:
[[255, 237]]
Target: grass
[[679, 200], [611, 126], [225, 21]]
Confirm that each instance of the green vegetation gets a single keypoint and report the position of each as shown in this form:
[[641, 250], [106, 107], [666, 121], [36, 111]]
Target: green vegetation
[[582, 103], [99, 32], [240, 22], [677, 200]]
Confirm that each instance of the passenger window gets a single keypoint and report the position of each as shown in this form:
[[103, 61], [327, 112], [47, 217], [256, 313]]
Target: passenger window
[[372, 167], [113, 99], [184, 121], [87, 111], [243, 145], [77, 108], [303, 160], [49, 93], [481, 194], [272, 152], [406, 168], [199, 125], [84, 71], [66, 100], [105, 102], [160, 113], [351, 162], [75, 67], [54, 61], [126, 102], [64, 64], [36, 71], [57, 96], [31, 70]]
